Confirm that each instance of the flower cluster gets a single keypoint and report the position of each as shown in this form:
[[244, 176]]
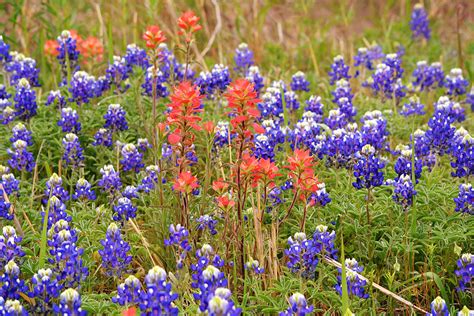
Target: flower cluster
[[83, 190], [427, 77], [21, 67], [355, 284], [419, 23], [25, 100], [10, 283], [20, 157], [45, 289], [124, 210], [115, 118], [21, 133], [438, 307], [455, 82], [69, 303], [55, 98], [110, 181], [72, 151], [115, 257], [65, 255], [298, 306], [403, 191], [9, 246], [69, 121], [413, 107], [339, 70], [368, 170], [299, 82], [68, 54], [462, 152], [179, 238], [83, 88], [214, 81], [366, 57], [465, 200], [132, 158], [54, 187], [465, 271], [243, 58]]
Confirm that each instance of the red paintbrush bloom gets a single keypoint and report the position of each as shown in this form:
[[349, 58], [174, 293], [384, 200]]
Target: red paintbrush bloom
[[51, 48], [132, 311], [154, 36], [188, 23], [219, 185], [267, 171], [209, 127], [249, 166], [300, 161], [185, 103], [92, 48], [224, 202], [185, 183]]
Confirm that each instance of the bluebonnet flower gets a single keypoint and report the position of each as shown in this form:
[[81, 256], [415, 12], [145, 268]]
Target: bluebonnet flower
[[465, 271], [462, 152], [10, 183], [83, 190], [320, 197], [216, 80], [304, 133], [208, 281], [124, 210], [12, 307], [441, 130], [143, 144], [130, 192], [20, 157], [470, 99], [254, 76], [72, 151], [69, 303], [132, 158], [65, 255], [254, 266], [57, 212], [221, 136], [114, 255], [465, 200], [115, 118], [129, 292], [243, 58], [3, 91], [7, 115], [179, 237], [20, 132], [110, 181], [271, 105], [25, 100], [291, 101], [158, 298], [264, 147], [298, 306], [455, 82], [82, 88], [45, 289], [103, 137], [54, 188], [314, 104], [55, 98], [403, 165], [374, 130], [438, 307], [368, 169], [366, 57], [222, 304], [23, 67], [428, 77], [382, 81], [4, 52], [342, 145], [4, 170], [355, 284], [117, 74], [339, 70], [5, 207], [68, 55], [423, 148], [336, 119], [10, 283], [155, 78], [207, 222], [323, 241], [299, 82], [69, 121], [419, 23], [135, 57], [10, 248], [205, 256], [404, 191], [150, 180], [413, 107], [4, 103], [301, 258]]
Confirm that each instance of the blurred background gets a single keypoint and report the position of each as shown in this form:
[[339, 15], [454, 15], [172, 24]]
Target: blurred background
[[284, 35]]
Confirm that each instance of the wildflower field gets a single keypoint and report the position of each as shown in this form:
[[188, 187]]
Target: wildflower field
[[236, 158]]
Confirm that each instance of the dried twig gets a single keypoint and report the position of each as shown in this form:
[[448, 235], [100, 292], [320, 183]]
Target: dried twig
[[217, 29], [378, 287], [16, 222]]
